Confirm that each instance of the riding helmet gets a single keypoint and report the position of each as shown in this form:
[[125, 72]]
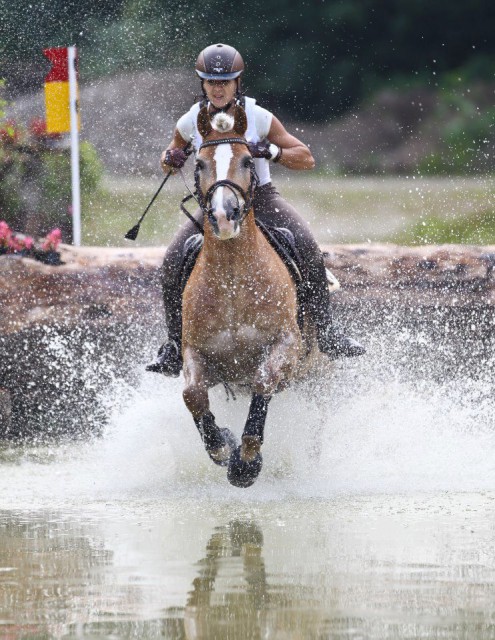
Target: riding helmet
[[219, 62]]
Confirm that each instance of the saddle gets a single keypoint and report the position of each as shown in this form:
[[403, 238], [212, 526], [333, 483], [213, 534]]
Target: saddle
[[281, 240]]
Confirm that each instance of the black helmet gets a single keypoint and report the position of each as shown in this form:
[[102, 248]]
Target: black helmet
[[219, 62]]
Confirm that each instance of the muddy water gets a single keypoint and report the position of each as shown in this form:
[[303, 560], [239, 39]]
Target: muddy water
[[373, 517]]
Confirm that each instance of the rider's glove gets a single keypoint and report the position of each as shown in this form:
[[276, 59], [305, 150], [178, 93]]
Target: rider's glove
[[265, 150], [175, 158]]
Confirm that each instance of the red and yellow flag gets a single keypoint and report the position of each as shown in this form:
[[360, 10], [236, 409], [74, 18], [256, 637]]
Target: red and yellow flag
[[57, 91]]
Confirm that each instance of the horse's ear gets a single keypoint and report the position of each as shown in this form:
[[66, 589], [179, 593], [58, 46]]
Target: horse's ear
[[204, 123], [240, 120]]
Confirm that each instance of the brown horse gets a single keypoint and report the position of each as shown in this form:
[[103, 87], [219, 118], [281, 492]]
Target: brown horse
[[240, 304]]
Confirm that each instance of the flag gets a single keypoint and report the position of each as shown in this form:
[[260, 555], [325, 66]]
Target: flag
[[57, 91]]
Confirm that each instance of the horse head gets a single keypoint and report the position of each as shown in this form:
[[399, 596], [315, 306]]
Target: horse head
[[225, 176]]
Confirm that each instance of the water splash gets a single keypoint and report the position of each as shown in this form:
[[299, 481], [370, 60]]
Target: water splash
[[386, 423]]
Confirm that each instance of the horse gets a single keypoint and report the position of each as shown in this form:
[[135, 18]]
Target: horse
[[240, 305]]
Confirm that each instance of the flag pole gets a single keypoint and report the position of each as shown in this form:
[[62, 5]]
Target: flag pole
[[74, 148]]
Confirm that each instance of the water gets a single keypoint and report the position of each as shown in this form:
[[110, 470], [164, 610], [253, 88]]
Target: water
[[373, 516]]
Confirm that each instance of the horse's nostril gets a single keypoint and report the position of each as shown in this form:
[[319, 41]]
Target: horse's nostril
[[232, 211]]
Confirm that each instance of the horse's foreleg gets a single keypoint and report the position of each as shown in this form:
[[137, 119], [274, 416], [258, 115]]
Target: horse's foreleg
[[246, 461], [219, 443], [252, 438]]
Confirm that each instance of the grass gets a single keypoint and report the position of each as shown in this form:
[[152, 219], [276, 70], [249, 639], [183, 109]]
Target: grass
[[477, 228], [339, 210]]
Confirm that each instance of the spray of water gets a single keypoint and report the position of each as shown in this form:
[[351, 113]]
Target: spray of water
[[381, 424]]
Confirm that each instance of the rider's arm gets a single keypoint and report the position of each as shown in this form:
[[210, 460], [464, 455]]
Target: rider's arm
[[295, 154]]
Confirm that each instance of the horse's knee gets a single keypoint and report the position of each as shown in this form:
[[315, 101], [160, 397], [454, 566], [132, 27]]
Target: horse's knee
[[196, 399], [267, 381], [274, 373]]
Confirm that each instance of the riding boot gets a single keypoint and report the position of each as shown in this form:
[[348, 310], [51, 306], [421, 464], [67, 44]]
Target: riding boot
[[329, 337], [337, 345], [169, 358]]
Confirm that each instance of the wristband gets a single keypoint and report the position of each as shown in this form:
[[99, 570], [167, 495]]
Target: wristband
[[276, 152]]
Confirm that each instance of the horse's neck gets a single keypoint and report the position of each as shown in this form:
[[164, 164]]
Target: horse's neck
[[234, 256]]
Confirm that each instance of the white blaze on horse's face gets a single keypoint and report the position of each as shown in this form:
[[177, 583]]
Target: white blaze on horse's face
[[224, 200]]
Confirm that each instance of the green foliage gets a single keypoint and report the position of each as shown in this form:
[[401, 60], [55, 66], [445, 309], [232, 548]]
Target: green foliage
[[477, 228], [56, 174], [467, 136], [36, 183], [312, 60]]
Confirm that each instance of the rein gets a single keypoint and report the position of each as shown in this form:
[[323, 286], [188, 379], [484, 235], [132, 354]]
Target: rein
[[204, 200]]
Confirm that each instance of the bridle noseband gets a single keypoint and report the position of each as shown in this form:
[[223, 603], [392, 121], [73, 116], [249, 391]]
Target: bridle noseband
[[205, 200]]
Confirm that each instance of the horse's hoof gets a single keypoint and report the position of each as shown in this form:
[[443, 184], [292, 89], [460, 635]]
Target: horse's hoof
[[242, 473], [221, 456]]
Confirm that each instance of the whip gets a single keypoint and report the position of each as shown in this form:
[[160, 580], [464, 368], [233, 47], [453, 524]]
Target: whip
[[132, 234]]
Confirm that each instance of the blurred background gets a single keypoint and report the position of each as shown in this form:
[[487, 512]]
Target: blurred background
[[394, 97]]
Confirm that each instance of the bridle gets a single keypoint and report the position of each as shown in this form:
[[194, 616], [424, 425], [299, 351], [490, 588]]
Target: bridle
[[205, 200]]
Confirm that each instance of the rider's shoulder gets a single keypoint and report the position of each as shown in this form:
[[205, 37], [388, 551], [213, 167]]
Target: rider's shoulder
[[263, 119], [187, 122]]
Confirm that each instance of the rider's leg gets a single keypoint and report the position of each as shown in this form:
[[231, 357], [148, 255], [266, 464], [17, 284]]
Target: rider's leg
[[273, 210], [169, 358]]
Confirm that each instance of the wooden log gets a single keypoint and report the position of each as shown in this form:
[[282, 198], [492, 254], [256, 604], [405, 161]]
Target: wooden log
[[98, 284]]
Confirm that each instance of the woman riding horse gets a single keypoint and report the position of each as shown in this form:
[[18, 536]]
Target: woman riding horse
[[220, 68]]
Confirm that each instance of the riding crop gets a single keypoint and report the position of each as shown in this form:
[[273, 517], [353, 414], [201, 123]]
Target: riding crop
[[132, 234]]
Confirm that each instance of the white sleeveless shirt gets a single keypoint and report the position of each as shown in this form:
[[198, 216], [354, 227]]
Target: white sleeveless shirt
[[259, 122]]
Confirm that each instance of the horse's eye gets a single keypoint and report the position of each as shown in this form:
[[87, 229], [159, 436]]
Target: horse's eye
[[200, 164], [247, 162]]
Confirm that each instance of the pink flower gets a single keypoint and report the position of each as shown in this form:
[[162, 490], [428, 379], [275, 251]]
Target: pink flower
[[5, 234], [52, 240], [28, 243], [15, 244]]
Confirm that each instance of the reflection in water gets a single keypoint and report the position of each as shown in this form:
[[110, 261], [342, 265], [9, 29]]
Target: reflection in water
[[229, 598], [233, 599], [370, 567]]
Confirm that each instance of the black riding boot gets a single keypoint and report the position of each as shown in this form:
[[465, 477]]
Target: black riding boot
[[336, 345], [176, 269], [169, 358], [168, 361], [330, 339]]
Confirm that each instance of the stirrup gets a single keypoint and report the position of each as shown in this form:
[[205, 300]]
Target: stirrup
[[337, 345], [168, 361]]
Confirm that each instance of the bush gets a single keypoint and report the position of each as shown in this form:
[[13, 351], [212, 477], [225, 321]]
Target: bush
[[467, 136], [35, 177]]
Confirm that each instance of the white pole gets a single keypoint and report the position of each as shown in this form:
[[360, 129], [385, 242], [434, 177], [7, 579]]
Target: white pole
[[74, 148]]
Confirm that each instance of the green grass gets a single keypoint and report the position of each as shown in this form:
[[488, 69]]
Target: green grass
[[118, 205], [339, 210], [477, 228]]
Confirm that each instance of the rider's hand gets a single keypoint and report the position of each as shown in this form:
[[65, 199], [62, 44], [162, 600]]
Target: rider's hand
[[173, 159], [265, 150]]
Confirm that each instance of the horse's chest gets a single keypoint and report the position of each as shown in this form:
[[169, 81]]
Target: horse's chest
[[238, 318], [244, 311], [234, 339]]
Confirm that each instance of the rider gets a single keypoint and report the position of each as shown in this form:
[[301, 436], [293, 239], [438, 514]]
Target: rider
[[219, 67]]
